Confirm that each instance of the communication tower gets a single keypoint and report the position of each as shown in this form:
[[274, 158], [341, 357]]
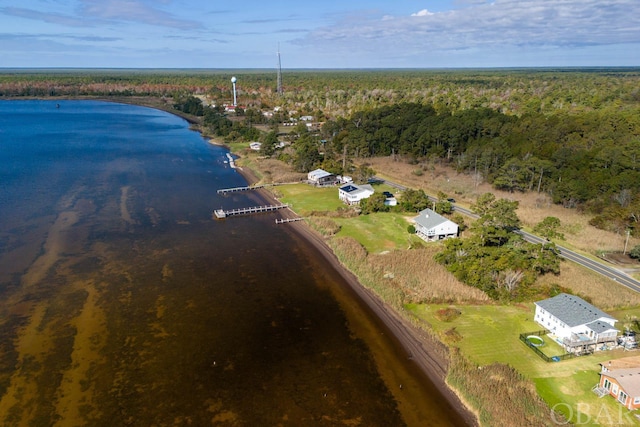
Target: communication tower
[[279, 89]]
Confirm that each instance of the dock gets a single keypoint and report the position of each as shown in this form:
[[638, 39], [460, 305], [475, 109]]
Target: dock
[[253, 187], [285, 220], [236, 189], [221, 213]]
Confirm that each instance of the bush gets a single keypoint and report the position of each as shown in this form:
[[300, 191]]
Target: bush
[[635, 252], [448, 314]]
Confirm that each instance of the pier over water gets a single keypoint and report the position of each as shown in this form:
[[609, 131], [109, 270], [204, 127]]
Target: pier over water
[[221, 213]]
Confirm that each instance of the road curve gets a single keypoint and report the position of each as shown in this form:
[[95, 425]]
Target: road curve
[[605, 270]]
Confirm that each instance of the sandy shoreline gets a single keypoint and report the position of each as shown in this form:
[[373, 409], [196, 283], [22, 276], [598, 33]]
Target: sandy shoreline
[[413, 341]]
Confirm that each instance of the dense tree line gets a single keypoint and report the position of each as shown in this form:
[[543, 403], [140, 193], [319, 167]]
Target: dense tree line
[[494, 258], [340, 92], [589, 160]]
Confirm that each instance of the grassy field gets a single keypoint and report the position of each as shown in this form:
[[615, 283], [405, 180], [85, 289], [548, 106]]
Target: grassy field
[[377, 232], [305, 199], [488, 334]]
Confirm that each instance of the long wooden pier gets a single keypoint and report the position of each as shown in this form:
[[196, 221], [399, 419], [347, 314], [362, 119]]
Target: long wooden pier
[[253, 187], [236, 189], [221, 213]]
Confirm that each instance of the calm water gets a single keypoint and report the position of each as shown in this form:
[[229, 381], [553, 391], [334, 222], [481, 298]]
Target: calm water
[[122, 302]]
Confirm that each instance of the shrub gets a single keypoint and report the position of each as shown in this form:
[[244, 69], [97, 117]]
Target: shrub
[[448, 314]]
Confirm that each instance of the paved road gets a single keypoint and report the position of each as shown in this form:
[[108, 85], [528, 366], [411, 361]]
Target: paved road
[[607, 271]]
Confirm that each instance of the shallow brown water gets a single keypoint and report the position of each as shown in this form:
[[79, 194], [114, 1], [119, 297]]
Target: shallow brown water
[[122, 302]]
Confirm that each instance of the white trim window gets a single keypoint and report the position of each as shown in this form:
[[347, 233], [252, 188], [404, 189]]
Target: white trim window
[[622, 397]]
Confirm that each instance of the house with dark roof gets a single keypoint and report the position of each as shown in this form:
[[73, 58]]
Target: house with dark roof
[[621, 379], [576, 324], [352, 194], [431, 226]]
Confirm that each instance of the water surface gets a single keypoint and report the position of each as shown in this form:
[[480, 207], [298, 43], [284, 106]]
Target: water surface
[[122, 302]]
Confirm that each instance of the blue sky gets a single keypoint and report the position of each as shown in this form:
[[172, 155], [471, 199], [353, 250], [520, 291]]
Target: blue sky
[[319, 34]]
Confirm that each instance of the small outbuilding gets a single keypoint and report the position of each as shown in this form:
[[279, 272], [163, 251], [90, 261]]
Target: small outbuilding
[[431, 226]]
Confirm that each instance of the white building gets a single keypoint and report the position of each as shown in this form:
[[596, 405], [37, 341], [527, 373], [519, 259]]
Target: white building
[[577, 324], [431, 226], [352, 194]]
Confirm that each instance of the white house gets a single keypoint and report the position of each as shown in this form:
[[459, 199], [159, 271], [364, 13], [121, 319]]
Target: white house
[[578, 325], [431, 226], [352, 194], [321, 177]]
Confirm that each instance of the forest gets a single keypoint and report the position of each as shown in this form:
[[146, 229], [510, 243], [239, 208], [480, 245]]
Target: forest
[[588, 160], [572, 133]]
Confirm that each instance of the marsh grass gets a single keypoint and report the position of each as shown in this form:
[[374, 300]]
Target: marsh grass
[[324, 226], [409, 276]]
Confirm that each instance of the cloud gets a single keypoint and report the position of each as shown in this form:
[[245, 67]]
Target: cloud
[[134, 11], [423, 12], [481, 25], [48, 17]]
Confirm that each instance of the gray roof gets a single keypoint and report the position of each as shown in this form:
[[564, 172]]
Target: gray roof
[[599, 326], [572, 310], [319, 174], [429, 219]]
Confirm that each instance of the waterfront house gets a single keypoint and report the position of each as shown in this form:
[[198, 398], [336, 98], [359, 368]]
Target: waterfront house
[[620, 379], [352, 194], [431, 226], [320, 177], [577, 325]]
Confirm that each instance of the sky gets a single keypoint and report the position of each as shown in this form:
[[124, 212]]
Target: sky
[[319, 34]]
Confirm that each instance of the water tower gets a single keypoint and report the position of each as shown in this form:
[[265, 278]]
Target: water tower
[[235, 99]]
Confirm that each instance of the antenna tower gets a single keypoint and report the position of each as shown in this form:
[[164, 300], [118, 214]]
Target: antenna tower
[[279, 89]]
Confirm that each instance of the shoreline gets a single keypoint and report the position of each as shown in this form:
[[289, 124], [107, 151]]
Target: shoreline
[[408, 336]]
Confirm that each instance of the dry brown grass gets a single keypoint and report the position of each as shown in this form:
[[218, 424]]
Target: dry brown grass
[[602, 292], [324, 226], [411, 276], [273, 170], [501, 394]]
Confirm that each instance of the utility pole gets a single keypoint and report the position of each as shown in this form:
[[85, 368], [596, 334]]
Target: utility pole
[[626, 242]]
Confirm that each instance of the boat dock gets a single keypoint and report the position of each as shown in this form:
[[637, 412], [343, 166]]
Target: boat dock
[[236, 189], [285, 220], [253, 187], [221, 213]]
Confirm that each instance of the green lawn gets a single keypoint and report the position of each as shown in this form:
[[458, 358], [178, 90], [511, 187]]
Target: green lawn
[[305, 198], [376, 232], [491, 334]]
